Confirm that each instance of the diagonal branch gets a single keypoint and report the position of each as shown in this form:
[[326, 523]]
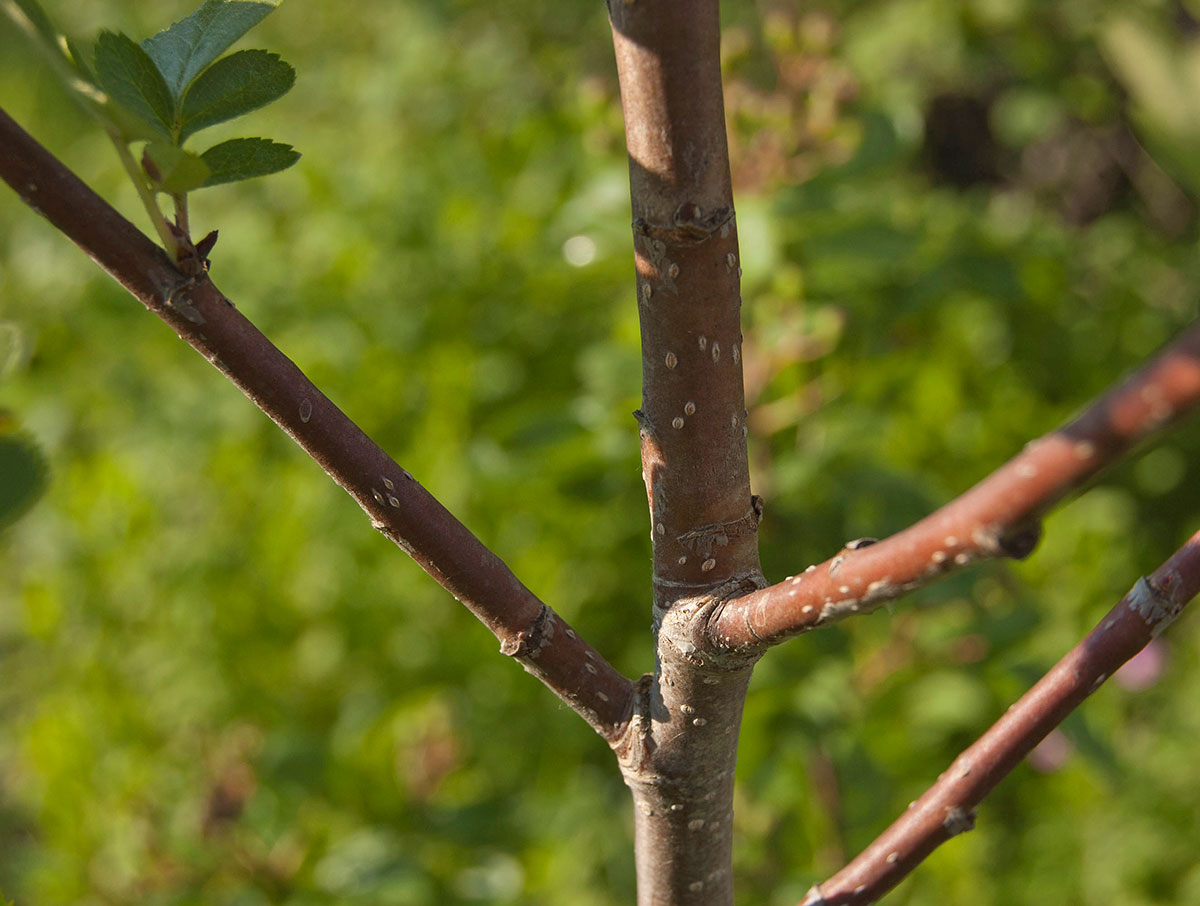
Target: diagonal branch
[[947, 808], [398, 506], [996, 518]]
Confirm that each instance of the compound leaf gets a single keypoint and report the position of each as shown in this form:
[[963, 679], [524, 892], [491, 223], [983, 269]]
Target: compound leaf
[[185, 49], [172, 169], [237, 84]]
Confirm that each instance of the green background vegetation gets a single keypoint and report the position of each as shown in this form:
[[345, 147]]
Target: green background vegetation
[[219, 686]]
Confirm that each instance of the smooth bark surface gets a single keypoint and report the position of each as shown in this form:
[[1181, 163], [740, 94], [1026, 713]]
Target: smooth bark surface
[[680, 755], [689, 296]]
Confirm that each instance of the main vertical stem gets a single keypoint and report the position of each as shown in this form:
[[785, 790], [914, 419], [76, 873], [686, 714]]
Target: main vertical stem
[[682, 786], [688, 270], [678, 758]]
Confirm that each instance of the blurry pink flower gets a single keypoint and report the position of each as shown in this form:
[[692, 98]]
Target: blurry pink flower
[[1144, 669], [1051, 753]]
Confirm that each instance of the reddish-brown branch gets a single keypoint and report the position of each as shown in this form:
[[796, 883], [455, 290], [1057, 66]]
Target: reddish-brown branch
[[398, 506], [947, 808], [680, 754], [688, 292], [997, 517]]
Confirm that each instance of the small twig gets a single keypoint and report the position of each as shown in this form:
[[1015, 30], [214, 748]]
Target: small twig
[[146, 195], [996, 518], [91, 99], [948, 807], [181, 213]]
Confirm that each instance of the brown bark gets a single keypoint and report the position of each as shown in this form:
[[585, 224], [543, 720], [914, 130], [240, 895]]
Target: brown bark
[[675, 732], [996, 518], [398, 505], [948, 807], [680, 754]]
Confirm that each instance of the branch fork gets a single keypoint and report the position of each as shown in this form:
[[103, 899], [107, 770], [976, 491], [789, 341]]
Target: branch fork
[[675, 731]]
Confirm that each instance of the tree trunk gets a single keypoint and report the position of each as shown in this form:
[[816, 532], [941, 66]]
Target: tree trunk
[[679, 754]]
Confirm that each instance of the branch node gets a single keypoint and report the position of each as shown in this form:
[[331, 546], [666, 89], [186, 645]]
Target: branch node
[[528, 643], [839, 558], [814, 897], [689, 225], [860, 543], [179, 299], [1019, 541], [1154, 605], [958, 820], [637, 743], [717, 534]]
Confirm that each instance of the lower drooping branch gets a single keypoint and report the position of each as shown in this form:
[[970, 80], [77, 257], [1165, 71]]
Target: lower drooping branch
[[948, 807], [996, 518], [398, 506]]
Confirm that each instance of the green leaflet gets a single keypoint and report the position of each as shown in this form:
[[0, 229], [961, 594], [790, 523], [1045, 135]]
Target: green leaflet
[[245, 158], [184, 50], [165, 89], [126, 72], [83, 57], [237, 84], [172, 169]]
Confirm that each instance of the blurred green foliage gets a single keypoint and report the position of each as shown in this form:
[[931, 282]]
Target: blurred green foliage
[[22, 471], [220, 687]]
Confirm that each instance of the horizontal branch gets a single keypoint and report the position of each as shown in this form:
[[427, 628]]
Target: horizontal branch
[[996, 518], [398, 506], [948, 807]]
